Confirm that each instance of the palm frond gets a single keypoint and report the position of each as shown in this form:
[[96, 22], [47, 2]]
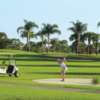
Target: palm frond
[[19, 29], [25, 21], [98, 24], [56, 31]]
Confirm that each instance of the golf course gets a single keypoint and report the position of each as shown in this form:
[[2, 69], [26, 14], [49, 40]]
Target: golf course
[[49, 50], [34, 66]]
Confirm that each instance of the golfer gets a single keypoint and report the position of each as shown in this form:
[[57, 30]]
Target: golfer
[[63, 66]]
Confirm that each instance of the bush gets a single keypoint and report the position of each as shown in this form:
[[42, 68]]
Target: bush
[[95, 81]]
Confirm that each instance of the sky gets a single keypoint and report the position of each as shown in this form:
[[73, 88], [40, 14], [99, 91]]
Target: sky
[[61, 12]]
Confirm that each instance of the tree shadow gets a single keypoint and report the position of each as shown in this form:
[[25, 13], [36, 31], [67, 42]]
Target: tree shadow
[[68, 73]]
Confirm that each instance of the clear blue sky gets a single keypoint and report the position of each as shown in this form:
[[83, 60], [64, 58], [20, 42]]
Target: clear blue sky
[[61, 12]]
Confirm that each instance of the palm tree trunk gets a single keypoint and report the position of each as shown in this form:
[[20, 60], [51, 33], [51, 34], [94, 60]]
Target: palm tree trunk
[[77, 44], [96, 47], [42, 43], [76, 47], [48, 36], [89, 43], [28, 43]]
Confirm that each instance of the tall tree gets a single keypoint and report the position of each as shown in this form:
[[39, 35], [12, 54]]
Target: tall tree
[[78, 29], [3, 40], [89, 37], [96, 38], [41, 34], [49, 29], [26, 31]]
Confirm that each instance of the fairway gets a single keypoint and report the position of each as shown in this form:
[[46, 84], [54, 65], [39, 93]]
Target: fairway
[[33, 67]]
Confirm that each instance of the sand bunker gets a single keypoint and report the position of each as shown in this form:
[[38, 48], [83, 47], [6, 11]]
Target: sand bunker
[[69, 81]]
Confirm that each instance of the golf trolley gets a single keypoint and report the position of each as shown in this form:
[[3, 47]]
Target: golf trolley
[[11, 69]]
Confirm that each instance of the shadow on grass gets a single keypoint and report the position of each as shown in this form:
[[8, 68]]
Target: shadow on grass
[[70, 66], [69, 73], [30, 59]]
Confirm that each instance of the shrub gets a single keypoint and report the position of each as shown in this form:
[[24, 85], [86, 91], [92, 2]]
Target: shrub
[[95, 81]]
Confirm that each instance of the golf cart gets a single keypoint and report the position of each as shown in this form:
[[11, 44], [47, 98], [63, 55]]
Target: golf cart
[[11, 69]]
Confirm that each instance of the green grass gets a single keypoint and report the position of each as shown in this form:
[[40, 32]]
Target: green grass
[[56, 70], [39, 66], [29, 93]]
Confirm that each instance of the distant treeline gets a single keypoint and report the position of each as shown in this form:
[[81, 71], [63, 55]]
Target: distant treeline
[[82, 41]]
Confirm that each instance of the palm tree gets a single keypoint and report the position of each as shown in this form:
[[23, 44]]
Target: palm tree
[[96, 38], [41, 34], [78, 29], [88, 36], [26, 31], [49, 29]]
